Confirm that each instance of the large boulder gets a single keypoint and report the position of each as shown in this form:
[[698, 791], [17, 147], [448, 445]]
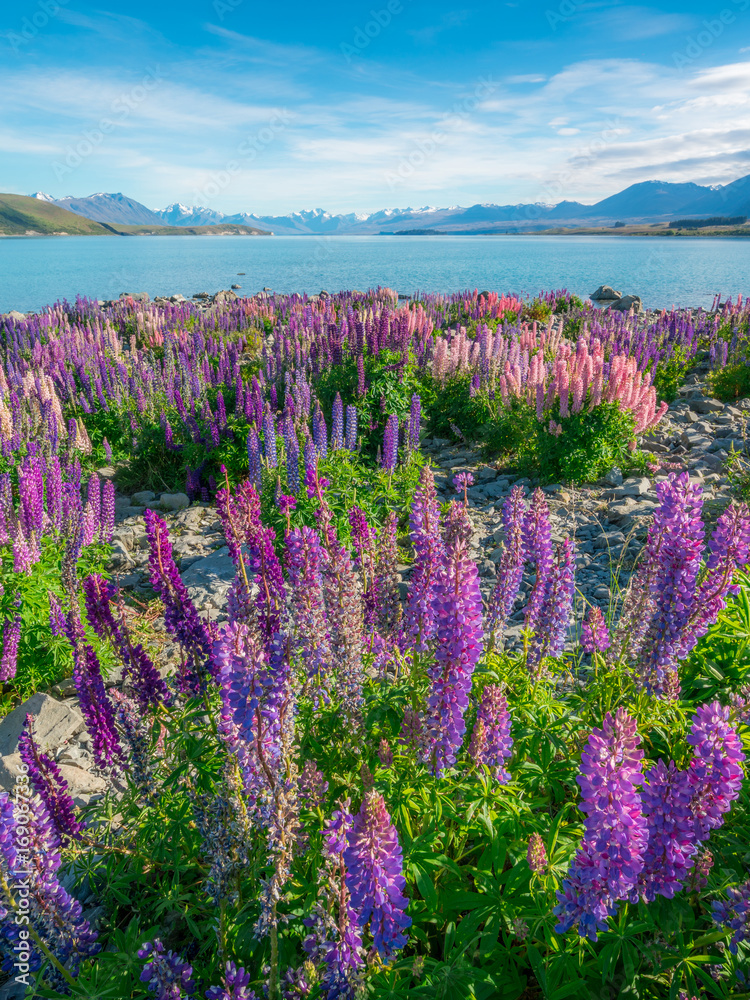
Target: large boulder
[[605, 293], [54, 723], [628, 302]]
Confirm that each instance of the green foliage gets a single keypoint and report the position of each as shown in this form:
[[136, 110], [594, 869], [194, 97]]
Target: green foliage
[[536, 311], [670, 374], [731, 382], [590, 444]]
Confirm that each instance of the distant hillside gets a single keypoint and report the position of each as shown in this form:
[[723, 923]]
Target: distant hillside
[[20, 215], [223, 229], [116, 209]]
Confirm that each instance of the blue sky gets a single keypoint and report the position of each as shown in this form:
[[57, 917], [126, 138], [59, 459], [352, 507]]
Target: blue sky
[[357, 106]]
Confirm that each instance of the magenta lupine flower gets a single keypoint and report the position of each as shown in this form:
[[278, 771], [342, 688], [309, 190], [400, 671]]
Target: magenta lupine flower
[[510, 567], [374, 876], [235, 985], [304, 562], [11, 640], [415, 420], [556, 612], [96, 707], [140, 672], [180, 616], [666, 796], [390, 443], [266, 567], [167, 975], [536, 854], [495, 745], [462, 481], [734, 914], [337, 424], [538, 547], [458, 619], [47, 780], [315, 484], [595, 636], [427, 542], [610, 858], [108, 512], [351, 428], [715, 774]]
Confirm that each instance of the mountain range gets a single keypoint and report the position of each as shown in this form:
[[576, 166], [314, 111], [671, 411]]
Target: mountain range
[[646, 202]]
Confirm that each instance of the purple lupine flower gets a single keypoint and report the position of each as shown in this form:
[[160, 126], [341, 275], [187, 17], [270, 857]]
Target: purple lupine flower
[[309, 455], [343, 598], [107, 450], [180, 616], [320, 433], [304, 561], [411, 732], [715, 774], [610, 858], [536, 854], [666, 798], [96, 707], [253, 459], [53, 492], [374, 863], [427, 542], [458, 619], [11, 639], [510, 567], [495, 744], [337, 424], [108, 512], [136, 733], [167, 975], [269, 440], [385, 754], [92, 514], [734, 914], [462, 482], [698, 877], [312, 785], [351, 428], [140, 672], [361, 386], [538, 546], [57, 623], [390, 443], [595, 636], [235, 985], [47, 780], [415, 420], [387, 602], [557, 609]]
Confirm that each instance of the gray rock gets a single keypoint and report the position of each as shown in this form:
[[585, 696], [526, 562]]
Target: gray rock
[[605, 293], [142, 498], [16, 315], [628, 302], [636, 486], [613, 478], [54, 723], [707, 405], [695, 441], [211, 572], [174, 501]]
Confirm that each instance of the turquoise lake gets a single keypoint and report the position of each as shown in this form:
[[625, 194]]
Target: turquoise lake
[[37, 271]]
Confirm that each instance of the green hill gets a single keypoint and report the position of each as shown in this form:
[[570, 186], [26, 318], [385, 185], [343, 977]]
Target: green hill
[[21, 216]]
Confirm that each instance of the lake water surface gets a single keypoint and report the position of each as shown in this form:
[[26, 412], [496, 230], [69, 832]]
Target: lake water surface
[[37, 271]]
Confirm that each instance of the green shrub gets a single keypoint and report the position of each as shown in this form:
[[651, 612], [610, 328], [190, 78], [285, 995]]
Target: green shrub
[[732, 382], [670, 374], [590, 444]]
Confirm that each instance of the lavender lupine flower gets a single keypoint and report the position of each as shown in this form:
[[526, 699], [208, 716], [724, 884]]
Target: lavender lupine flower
[[557, 609], [538, 546], [320, 433], [462, 482], [167, 975], [595, 636], [337, 424], [385, 754], [269, 440], [458, 619], [254, 461], [415, 419], [136, 734], [610, 858], [390, 443], [666, 798], [361, 386], [388, 604], [351, 428], [108, 512], [11, 639], [140, 672], [56, 617], [510, 567], [698, 877], [495, 744], [427, 542], [374, 863], [304, 560], [235, 986], [411, 733], [47, 781], [715, 774], [96, 707], [180, 616], [734, 914], [536, 854], [343, 597]]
